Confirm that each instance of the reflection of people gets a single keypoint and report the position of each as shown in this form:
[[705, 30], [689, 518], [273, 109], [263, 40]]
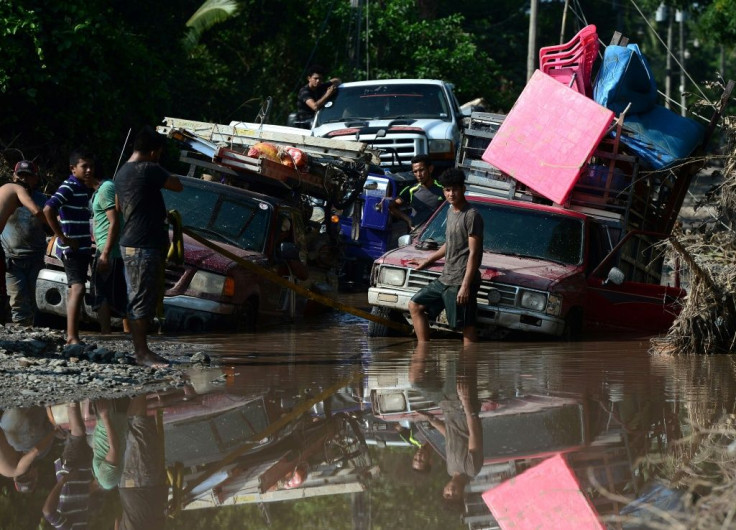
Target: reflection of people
[[456, 289], [109, 440], [26, 435], [108, 272], [67, 505], [424, 197], [71, 227], [314, 94], [24, 243], [143, 489], [461, 425], [144, 238], [421, 462]]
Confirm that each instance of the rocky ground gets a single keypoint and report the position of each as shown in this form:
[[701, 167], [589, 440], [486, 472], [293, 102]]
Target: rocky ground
[[36, 368]]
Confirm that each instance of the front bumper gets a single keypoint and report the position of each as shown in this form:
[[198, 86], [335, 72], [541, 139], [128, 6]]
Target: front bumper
[[490, 318], [181, 313]]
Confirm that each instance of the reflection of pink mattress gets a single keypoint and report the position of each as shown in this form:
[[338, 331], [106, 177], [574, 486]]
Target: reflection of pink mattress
[[545, 496], [548, 137]]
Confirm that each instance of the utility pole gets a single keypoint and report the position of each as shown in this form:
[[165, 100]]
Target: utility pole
[[683, 103], [564, 21], [668, 69], [532, 46]]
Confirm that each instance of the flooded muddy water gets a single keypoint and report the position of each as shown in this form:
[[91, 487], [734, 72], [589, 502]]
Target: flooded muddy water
[[315, 425]]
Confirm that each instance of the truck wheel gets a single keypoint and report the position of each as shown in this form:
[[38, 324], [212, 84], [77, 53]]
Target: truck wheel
[[381, 330], [573, 324], [247, 315]]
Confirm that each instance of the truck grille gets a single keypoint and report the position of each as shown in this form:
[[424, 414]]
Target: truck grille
[[404, 148], [419, 279]]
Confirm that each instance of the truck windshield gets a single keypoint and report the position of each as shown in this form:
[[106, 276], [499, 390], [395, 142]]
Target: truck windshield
[[215, 214], [521, 232], [386, 102]]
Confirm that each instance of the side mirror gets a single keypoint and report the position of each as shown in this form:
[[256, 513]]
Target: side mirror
[[288, 250], [615, 276], [404, 240]]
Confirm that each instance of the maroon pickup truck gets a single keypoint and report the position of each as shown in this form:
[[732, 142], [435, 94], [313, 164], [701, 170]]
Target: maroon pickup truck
[[208, 290], [545, 270]]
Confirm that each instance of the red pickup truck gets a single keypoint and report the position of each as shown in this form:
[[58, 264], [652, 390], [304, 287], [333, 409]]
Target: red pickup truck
[[545, 270]]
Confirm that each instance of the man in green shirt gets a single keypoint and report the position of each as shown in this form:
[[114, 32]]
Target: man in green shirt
[[109, 291]]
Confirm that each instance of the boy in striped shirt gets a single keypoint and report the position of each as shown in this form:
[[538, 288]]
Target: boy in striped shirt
[[68, 214]]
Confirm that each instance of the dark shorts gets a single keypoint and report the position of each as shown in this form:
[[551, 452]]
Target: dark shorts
[[437, 296], [76, 267], [144, 270], [109, 286], [77, 452], [144, 455], [3, 288]]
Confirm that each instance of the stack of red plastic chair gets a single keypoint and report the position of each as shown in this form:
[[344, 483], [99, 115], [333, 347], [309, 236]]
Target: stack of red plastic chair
[[572, 63]]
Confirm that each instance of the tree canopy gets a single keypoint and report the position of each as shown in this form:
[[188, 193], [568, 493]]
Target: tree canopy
[[88, 72]]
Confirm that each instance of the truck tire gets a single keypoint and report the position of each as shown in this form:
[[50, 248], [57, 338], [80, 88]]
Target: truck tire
[[573, 324], [381, 330], [247, 315]]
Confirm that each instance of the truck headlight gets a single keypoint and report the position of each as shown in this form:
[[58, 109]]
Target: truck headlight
[[534, 301], [392, 276], [440, 146], [554, 305], [213, 284]]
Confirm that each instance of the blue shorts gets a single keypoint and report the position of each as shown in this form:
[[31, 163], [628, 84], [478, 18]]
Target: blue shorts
[[144, 273], [437, 296]]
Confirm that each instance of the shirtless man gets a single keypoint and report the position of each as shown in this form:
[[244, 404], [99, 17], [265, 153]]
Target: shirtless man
[[13, 195]]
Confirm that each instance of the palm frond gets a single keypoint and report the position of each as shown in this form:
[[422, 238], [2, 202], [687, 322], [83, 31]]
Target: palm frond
[[210, 13]]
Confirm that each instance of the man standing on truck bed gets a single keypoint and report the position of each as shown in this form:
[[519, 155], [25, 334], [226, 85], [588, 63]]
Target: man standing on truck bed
[[424, 197], [457, 287], [145, 237], [314, 94]]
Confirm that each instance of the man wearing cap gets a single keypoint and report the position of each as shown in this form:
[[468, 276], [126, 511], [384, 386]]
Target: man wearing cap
[[13, 195], [24, 243]]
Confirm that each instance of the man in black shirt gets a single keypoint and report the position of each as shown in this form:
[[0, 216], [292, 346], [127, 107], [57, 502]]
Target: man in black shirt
[[144, 238], [314, 94]]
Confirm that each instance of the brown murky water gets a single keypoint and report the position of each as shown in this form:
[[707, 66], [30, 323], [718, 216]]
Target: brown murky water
[[314, 425]]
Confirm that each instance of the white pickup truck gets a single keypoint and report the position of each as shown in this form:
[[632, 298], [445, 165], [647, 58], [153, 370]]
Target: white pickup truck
[[400, 117]]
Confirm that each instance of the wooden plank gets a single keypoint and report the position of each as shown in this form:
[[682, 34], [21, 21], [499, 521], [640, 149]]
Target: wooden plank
[[249, 134]]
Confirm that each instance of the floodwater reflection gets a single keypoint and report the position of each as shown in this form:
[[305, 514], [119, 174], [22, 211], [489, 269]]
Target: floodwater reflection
[[318, 426]]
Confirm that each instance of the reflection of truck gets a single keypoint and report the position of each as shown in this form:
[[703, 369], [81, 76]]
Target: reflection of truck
[[546, 268], [399, 117]]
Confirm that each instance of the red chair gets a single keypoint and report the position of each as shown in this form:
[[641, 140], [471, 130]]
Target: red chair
[[571, 63]]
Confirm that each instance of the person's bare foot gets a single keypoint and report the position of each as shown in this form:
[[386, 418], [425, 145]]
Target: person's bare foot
[[73, 340], [151, 360]]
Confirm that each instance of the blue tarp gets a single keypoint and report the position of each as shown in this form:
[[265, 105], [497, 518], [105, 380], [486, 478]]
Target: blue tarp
[[625, 77], [660, 137], [657, 135]]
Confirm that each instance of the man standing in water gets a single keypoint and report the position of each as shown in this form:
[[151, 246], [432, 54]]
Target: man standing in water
[[144, 238], [456, 289]]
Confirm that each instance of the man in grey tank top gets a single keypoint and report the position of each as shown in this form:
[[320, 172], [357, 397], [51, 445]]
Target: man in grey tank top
[[456, 289]]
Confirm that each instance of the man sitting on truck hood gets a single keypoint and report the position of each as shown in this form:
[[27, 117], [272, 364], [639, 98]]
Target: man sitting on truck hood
[[424, 197], [314, 94]]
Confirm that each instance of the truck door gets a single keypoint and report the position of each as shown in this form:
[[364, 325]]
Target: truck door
[[641, 302]]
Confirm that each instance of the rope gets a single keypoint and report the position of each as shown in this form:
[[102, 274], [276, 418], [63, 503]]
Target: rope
[[278, 280]]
